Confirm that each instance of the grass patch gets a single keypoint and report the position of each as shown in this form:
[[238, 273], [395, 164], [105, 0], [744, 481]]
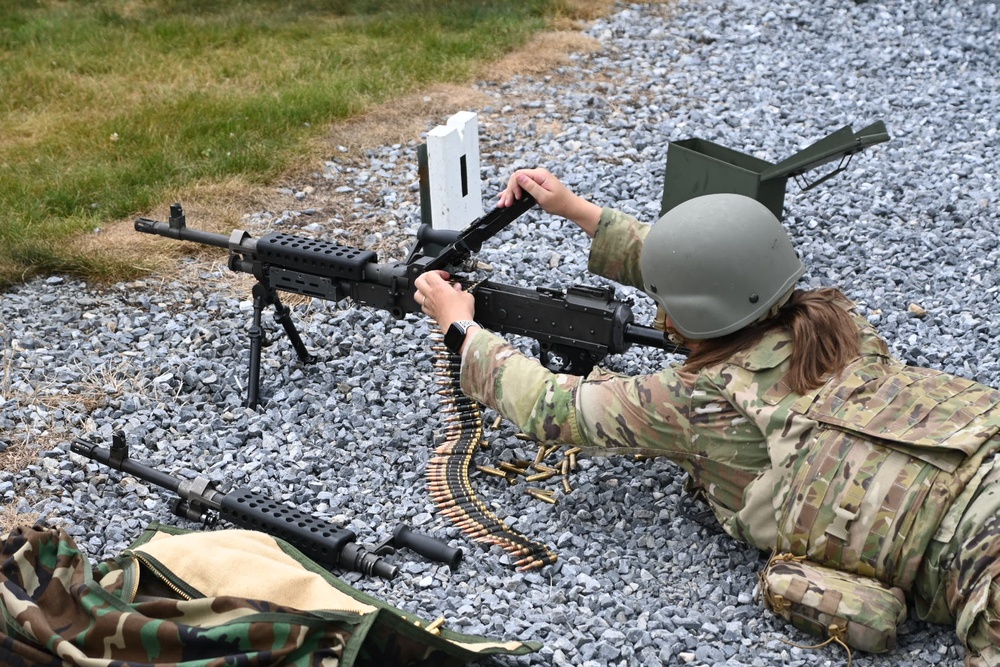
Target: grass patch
[[109, 105]]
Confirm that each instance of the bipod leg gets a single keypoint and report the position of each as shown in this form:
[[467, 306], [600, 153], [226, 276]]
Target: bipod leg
[[283, 316], [256, 343]]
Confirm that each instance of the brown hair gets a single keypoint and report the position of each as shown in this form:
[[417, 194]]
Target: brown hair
[[824, 338]]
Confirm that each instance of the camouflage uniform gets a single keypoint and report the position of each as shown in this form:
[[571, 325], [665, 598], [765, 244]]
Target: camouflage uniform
[[887, 471]]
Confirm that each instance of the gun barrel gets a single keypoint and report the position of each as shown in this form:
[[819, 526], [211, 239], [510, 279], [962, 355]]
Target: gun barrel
[[117, 458], [642, 335], [181, 233]]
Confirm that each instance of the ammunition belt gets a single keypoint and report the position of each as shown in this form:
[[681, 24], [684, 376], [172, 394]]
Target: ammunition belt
[[455, 445]]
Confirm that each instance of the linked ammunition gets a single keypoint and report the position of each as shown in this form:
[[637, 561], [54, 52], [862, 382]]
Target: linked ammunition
[[456, 442]]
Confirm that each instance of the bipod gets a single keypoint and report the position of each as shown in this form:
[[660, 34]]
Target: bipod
[[263, 296]]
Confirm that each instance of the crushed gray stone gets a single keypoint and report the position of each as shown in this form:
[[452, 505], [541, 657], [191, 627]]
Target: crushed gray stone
[[909, 230]]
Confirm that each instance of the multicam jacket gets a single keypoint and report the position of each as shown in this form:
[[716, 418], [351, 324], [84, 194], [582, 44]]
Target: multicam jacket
[[858, 474]]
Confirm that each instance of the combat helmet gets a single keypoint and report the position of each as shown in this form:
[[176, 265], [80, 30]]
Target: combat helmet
[[717, 263]]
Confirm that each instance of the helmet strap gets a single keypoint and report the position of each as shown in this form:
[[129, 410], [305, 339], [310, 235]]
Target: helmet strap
[[776, 308]]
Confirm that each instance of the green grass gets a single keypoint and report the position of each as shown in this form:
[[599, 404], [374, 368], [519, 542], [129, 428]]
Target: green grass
[[107, 106]]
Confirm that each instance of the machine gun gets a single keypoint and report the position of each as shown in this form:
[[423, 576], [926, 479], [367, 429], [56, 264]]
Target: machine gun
[[331, 547], [575, 328]]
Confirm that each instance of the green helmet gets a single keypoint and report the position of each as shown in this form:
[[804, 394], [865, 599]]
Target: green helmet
[[717, 263]]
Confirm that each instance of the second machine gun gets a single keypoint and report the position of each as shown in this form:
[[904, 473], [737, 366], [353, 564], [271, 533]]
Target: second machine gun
[[575, 328], [199, 500]]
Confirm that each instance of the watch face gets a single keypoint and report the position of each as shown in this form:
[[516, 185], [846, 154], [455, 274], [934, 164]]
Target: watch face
[[454, 337]]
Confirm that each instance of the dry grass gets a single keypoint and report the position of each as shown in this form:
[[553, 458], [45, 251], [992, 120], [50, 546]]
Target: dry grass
[[17, 455], [15, 458], [10, 519], [96, 387]]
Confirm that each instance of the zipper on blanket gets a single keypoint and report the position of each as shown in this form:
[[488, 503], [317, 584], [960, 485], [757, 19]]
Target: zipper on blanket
[[164, 575]]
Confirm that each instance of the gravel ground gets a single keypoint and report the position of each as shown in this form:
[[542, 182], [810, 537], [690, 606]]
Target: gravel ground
[[909, 231]]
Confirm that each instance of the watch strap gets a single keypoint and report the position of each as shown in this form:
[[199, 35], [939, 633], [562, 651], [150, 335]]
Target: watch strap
[[454, 338]]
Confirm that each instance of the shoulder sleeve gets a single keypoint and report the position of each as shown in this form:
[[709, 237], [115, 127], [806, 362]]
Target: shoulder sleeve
[[604, 412], [615, 250]]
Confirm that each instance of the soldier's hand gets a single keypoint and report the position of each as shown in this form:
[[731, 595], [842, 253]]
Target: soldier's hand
[[443, 300], [553, 196]]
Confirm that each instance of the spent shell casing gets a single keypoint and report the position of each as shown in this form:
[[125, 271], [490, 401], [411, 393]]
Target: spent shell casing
[[539, 494], [490, 470], [434, 627]]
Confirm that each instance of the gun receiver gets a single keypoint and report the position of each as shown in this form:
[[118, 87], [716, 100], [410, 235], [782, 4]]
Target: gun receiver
[[575, 329], [331, 547]]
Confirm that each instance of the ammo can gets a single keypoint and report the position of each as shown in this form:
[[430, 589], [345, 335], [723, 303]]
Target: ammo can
[[698, 167]]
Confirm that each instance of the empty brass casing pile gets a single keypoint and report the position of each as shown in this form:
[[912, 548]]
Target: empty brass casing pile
[[448, 483]]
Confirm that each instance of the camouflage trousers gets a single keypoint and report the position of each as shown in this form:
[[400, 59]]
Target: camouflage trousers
[[962, 585]]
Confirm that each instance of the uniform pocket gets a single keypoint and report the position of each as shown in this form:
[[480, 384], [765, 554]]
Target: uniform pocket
[[936, 417]]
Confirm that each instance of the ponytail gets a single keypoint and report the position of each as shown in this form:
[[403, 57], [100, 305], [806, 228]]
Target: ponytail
[[824, 338]]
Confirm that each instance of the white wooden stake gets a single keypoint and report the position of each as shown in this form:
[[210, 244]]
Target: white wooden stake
[[456, 197]]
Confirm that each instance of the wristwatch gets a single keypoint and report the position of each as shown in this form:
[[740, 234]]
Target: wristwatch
[[455, 336]]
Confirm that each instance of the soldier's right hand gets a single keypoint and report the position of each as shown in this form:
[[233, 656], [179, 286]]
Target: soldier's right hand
[[552, 196]]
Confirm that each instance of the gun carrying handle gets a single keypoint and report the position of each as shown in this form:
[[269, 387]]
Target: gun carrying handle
[[426, 546]]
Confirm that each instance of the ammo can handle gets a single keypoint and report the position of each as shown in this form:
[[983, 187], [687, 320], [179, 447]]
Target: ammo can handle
[[843, 143]]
